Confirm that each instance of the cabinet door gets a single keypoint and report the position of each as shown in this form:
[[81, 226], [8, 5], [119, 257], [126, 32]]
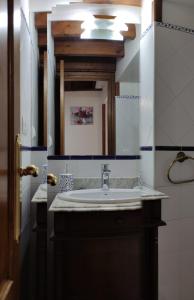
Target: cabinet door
[[100, 268]]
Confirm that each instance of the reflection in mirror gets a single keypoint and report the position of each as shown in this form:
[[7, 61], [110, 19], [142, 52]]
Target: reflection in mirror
[[127, 119], [85, 115], [80, 64]]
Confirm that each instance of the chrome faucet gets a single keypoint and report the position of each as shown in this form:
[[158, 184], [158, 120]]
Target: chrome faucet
[[105, 177]]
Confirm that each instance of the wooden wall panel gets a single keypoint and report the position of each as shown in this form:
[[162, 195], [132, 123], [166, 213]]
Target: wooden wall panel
[[62, 109], [89, 48]]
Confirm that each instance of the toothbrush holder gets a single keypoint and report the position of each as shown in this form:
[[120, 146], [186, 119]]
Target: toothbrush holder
[[66, 182]]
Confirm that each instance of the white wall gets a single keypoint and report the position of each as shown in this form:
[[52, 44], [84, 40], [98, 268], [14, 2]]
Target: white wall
[[178, 13], [129, 64], [174, 126], [83, 139], [127, 119], [51, 88], [25, 82], [147, 80], [34, 79]]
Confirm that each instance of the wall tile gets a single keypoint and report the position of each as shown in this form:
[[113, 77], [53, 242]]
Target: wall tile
[[169, 277], [169, 237], [180, 171], [92, 168], [171, 208]]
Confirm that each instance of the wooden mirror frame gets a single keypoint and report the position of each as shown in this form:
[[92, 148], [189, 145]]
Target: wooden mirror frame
[[60, 107]]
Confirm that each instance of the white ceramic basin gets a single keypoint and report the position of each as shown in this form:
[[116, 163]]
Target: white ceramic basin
[[43, 187], [100, 196]]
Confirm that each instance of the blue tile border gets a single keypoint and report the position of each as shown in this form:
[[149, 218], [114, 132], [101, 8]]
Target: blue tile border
[[174, 148], [35, 148], [167, 148], [146, 148], [93, 157]]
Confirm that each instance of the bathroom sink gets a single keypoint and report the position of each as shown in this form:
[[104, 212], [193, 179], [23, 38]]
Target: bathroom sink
[[43, 187], [101, 197]]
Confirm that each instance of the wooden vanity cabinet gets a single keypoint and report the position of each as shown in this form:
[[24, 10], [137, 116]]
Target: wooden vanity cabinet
[[39, 259], [107, 255]]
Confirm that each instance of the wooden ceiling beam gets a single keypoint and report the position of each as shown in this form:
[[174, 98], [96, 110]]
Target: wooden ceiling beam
[[89, 48], [88, 65], [131, 33], [63, 29], [42, 39], [118, 2], [72, 29], [41, 20]]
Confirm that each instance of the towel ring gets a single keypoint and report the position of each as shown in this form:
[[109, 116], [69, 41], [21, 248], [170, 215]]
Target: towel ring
[[181, 157]]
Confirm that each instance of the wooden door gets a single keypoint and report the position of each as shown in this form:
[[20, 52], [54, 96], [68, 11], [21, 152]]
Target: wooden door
[[9, 127]]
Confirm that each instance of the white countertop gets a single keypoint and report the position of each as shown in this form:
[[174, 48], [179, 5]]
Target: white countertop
[[69, 206], [41, 194]]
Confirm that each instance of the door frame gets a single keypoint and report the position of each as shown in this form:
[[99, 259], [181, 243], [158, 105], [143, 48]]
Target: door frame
[[10, 105]]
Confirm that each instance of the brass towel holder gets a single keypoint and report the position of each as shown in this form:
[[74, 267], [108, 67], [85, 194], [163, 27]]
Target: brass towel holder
[[181, 157]]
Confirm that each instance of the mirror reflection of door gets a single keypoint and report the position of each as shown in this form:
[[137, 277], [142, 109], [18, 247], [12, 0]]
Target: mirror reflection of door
[[85, 117]]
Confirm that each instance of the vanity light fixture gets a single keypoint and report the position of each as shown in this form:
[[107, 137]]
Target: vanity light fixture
[[103, 28]]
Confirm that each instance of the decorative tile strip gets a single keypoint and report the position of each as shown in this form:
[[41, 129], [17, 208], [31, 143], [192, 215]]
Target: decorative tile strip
[[127, 97], [146, 148], [167, 148], [174, 148], [93, 157], [176, 27], [34, 148], [146, 31]]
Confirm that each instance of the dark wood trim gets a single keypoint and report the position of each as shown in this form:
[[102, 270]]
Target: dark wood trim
[[41, 20], [117, 89], [103, 129], [40, 105], [57, 114], [111, 117], [42, 101], [157, 10], [4, 134], [9, 127], [45, 99], [42, 40], [88, 64], [62, 108], [89, 48], [62, 29]]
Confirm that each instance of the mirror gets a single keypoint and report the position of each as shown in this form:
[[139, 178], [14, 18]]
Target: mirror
[[77, 68]]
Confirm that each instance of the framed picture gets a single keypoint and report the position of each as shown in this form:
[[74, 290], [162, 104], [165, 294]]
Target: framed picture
[[82, 115]]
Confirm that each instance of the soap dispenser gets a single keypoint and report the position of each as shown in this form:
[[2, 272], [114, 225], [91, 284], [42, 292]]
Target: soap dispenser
[[66, 181]]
